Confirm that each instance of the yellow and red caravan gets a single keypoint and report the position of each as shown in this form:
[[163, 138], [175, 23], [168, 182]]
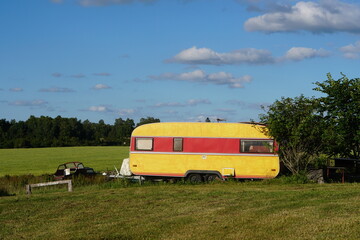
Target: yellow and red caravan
[[203, 151]]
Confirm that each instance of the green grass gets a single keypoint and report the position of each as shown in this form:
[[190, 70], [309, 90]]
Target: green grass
[[39, 161], [271, 209], [227, 210]]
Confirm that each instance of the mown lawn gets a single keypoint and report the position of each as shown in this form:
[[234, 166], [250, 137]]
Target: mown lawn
[[122, 210], [39, 161], [228, 210]]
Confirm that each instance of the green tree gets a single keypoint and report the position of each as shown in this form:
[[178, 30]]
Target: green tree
[[102, 131], [89, 132], [4, 128], [18, 135], [121, 131], [340, 111], [39, 131], [147, 120], [296, 127]]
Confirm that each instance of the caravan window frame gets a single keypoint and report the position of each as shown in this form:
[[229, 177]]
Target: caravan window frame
[[245, 148], [178, 144], [146, 144]]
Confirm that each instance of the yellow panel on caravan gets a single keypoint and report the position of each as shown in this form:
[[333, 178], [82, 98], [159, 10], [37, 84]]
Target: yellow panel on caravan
[[190, 129]]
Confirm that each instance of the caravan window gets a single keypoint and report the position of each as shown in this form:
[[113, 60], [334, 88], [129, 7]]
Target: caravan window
[[144, 144], [257, 146], [178, 145]]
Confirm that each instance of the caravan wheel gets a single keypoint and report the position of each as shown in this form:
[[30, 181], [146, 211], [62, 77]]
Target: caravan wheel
[[194, 178], [211, 177]]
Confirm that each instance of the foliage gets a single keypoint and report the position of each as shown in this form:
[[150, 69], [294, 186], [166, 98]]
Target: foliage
[[299, 178], [340, 111], [63, 132], [12, 185], [147, 120], [293, 123], [307, 127]]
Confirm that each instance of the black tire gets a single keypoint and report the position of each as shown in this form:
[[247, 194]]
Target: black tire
[[194, 178], [211, 178]]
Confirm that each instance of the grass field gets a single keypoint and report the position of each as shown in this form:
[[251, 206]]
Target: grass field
[[39, 161], [122, 210], [261, 210]]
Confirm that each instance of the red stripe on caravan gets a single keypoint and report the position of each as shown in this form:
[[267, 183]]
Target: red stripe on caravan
[[163, 144], [195, 145]]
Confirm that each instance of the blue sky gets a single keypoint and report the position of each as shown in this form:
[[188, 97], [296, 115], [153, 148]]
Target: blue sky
[[177, 60]]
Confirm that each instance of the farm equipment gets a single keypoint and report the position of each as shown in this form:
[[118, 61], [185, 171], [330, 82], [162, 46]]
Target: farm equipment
[[344, 169], [69, 169]]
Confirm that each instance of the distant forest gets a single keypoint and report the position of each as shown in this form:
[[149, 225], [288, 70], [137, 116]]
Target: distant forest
[[65, 132]]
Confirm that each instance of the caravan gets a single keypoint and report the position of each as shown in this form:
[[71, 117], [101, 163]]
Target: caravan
[[203, 151]]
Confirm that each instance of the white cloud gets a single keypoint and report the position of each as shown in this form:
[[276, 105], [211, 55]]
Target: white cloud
[[300, 53], [199, 76], [351, 51], [32, 103], [56, 90], [325, 16], [101, 86], [207, 56], [109, 109], [194, 102], [16, 89], [100, 108]]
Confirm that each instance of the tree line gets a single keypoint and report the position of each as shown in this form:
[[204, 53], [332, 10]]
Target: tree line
[[311, 130], [64, 132]]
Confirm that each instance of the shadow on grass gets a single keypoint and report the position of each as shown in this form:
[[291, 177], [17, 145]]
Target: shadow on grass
[[5, 193]]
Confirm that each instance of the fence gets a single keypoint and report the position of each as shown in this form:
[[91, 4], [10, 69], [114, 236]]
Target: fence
[[30, 186]]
